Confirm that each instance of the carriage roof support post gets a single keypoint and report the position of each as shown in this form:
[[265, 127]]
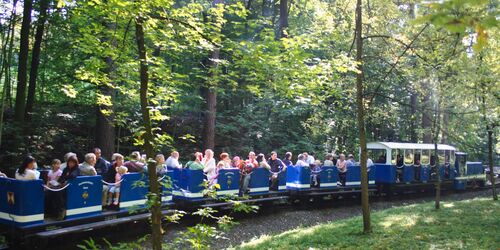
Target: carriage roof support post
[[361, 122]]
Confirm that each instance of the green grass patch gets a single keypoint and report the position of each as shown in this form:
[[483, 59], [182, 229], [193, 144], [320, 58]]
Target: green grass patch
[[468, 224]]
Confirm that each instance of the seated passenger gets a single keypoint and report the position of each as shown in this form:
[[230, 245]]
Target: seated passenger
[[101, 165], [399, 168], [195, 163], [87, 168], [173, 160], [115, 189], [110, 176], [27, 170], [66, 157], [369, 164], [56, 201], [54, 173], [417, 167], [224, 162], [309, 158], [276, 166], [301, 161], [135, 164], [381, 159], [209, 167], [288, 159], [315, 173], [342, 168], [246, 168], [261, 159], [328, 160], [161, 167], [350, 161], [236, 162]]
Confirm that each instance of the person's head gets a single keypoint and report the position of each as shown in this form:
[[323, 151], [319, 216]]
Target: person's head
[[28, 163], [209, 154], [329, 156], [56, 164], [90, 159], [67, 155], [288, 155], [194, 157], [251, 155], [160, 159], [236, 160], [175, 154], [351, 157], [135, 156], [97, 152], [72, 162], [317, 162], [118, 158], [199, 156], [224, 156], [342, 157], [121, 170], [305, 154], [274, 155], [260, 157], [301, 157]]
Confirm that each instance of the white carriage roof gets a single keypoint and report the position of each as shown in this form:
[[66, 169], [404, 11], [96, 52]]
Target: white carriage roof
[[401, 145]]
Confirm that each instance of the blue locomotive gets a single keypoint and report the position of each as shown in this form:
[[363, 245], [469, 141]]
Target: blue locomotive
[[396, 165]]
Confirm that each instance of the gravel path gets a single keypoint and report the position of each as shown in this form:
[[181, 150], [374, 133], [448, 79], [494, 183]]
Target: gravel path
[[275, 220]]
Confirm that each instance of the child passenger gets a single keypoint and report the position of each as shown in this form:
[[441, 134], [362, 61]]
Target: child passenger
[[54, 173], [120, 171]]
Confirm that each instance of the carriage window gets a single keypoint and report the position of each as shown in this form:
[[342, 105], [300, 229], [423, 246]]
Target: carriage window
[[441, 157], [452, 158], [417, 157], [408, 156], [424, 159], [377, 155], [397, 157], [433, 159], [447, 157]]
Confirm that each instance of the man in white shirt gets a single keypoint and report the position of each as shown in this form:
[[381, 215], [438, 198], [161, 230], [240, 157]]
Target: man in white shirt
[[310, 158], [173, 160]]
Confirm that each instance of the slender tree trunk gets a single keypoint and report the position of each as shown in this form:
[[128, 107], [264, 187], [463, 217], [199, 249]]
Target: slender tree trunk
[[490, 160], [283, 23], [361, 120], [437, 127], [23, 62], [154, 190], [8, 73], [426, 120], [446, 121], [413, 120], [35, 58]]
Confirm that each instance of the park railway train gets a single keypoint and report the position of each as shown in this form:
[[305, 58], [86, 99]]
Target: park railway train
[[22, 202]]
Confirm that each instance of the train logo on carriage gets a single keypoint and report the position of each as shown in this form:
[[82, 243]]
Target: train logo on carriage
[[11, 198], [229, 176], [330, 174], [85, 195]]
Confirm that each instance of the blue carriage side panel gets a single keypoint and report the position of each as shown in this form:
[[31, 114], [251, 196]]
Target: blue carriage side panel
[[229, 181], [298, 178], [385, 174], [166, 182], [328, 177], [372, 175], [282, 181], [408, 173], [424, 173], [259, 181], [190, 185], [353, 176], [21, 202], [133, 190], [84, 196]]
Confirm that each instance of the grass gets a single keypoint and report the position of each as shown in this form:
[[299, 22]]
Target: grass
[[468, 224]]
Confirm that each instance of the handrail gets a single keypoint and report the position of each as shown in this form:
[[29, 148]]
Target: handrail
[[112, 184], [55, 189]]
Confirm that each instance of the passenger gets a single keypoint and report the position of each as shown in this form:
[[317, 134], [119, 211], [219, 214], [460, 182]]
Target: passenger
[[71, 171], [66, 157], [369, 164], [195, 163], [315, 174], [58, 199], [246, 169], [54, 173], [120, 171], [236, 162], [261, 159], [328, 160], [399, 168], [276, 166], [161, 167], [209, 167], [110, 176], [224, 162], [310, 158], [101, 164], [27, 170], [342, 168], [350, 161], [381, 159], [173, 160], [417, 167], [301, 161], [87, 168], [135, 165], [288, 159]]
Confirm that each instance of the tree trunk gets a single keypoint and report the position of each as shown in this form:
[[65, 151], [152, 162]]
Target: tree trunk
[[154, 191], [35, 58], [446, 121], [361, 120], [437, 127], [413, 120], [8, 73], [426, 119], [24, 42], [283, 23], [490, 160]]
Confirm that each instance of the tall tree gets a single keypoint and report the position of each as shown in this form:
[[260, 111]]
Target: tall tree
[[361, 118], [35, 57], [154, 187], [22, 68], [283, 23]]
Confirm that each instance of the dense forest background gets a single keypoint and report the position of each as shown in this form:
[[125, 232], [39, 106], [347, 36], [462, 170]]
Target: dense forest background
[[244, 75]]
